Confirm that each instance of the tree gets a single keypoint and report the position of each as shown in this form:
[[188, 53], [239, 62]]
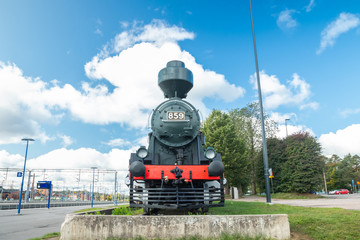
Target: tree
[[296, 162], [304, 163], [219, 133], [334, 159], [342, 171], [247, 122]]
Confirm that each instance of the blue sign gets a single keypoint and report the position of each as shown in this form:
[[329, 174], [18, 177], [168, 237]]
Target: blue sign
[[44, 185], [19, 174]]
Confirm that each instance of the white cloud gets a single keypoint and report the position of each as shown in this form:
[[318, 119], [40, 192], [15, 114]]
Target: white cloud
[[286, 21], [142, 52], [124, 24], [343, 142], [23, 107], [82, 158], [310, 6], [275, 94], [66, 140], [291, 129], [344, 23], [98, 32], [134, 73], [97, 28], [289, 126], [311, 105], [11, 160], [118, 142], [157, 32], [347, 112], [280, 118]]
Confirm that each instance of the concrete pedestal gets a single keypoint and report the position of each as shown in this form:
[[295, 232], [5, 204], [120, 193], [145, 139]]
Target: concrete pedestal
[[171, 227]]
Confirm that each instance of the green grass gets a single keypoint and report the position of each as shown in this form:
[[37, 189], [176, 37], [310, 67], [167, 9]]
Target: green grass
[[121, 210], [125, 210], [316, 223], [294, 196], [92, 209], [47, 236]]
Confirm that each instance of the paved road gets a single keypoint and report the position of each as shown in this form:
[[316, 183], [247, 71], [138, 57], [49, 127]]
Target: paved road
[[33, 222], [351, 201], [5, 205]]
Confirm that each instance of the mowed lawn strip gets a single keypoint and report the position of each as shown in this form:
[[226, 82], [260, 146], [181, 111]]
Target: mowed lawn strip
[[317, 223]]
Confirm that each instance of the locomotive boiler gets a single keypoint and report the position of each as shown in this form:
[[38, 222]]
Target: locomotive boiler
[[175, 171]]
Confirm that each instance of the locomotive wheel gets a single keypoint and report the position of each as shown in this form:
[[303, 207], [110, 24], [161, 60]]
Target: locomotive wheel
[[204, 210], [150, 211], [146, 211]]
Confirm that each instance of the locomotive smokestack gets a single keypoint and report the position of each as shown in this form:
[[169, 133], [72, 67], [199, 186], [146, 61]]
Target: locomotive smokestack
[[175, 80]]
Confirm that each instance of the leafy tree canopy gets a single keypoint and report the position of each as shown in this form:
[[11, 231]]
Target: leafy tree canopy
[[219, 133]]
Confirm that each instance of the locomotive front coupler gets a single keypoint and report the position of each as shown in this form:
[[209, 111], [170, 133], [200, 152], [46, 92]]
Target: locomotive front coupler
[[177, 182], [178, 175]]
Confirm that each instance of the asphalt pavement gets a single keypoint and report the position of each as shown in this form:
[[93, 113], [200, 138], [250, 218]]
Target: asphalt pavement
[[34, 222], [346, 201]]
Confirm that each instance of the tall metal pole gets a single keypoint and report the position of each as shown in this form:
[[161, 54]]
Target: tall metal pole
[[23, 175], [265, 156], [325, 182], [92, 194], [28, 188], [115, 188], [32, 187]]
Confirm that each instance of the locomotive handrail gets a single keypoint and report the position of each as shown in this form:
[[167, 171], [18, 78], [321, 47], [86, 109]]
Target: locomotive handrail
[[201, 116], [192, 108], [148, 121], [186, 120]]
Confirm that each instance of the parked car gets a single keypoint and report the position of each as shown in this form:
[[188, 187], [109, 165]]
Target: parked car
[[340, 191], [344, 191]]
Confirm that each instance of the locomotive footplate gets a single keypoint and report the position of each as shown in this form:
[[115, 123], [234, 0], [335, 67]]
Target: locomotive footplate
[[199, 172]]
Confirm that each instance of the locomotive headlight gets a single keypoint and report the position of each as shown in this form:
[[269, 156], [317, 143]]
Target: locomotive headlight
[[142, 152], [210, 153]]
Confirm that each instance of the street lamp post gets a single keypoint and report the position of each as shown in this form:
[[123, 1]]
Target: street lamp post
[[92, 194], [265, 155], [288, 119], [23, 175]]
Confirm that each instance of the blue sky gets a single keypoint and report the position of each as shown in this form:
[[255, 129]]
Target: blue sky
[[81, 76]]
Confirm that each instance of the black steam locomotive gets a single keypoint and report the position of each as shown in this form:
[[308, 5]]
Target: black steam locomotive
[[175, 171]]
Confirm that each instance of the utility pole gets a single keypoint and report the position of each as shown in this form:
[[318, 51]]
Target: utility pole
[[115, 188], [92, 195], [32, 187], [28, 188], [325, 182]]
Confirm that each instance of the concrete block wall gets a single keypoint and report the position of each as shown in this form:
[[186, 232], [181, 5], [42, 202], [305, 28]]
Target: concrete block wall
[[172, 227]]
